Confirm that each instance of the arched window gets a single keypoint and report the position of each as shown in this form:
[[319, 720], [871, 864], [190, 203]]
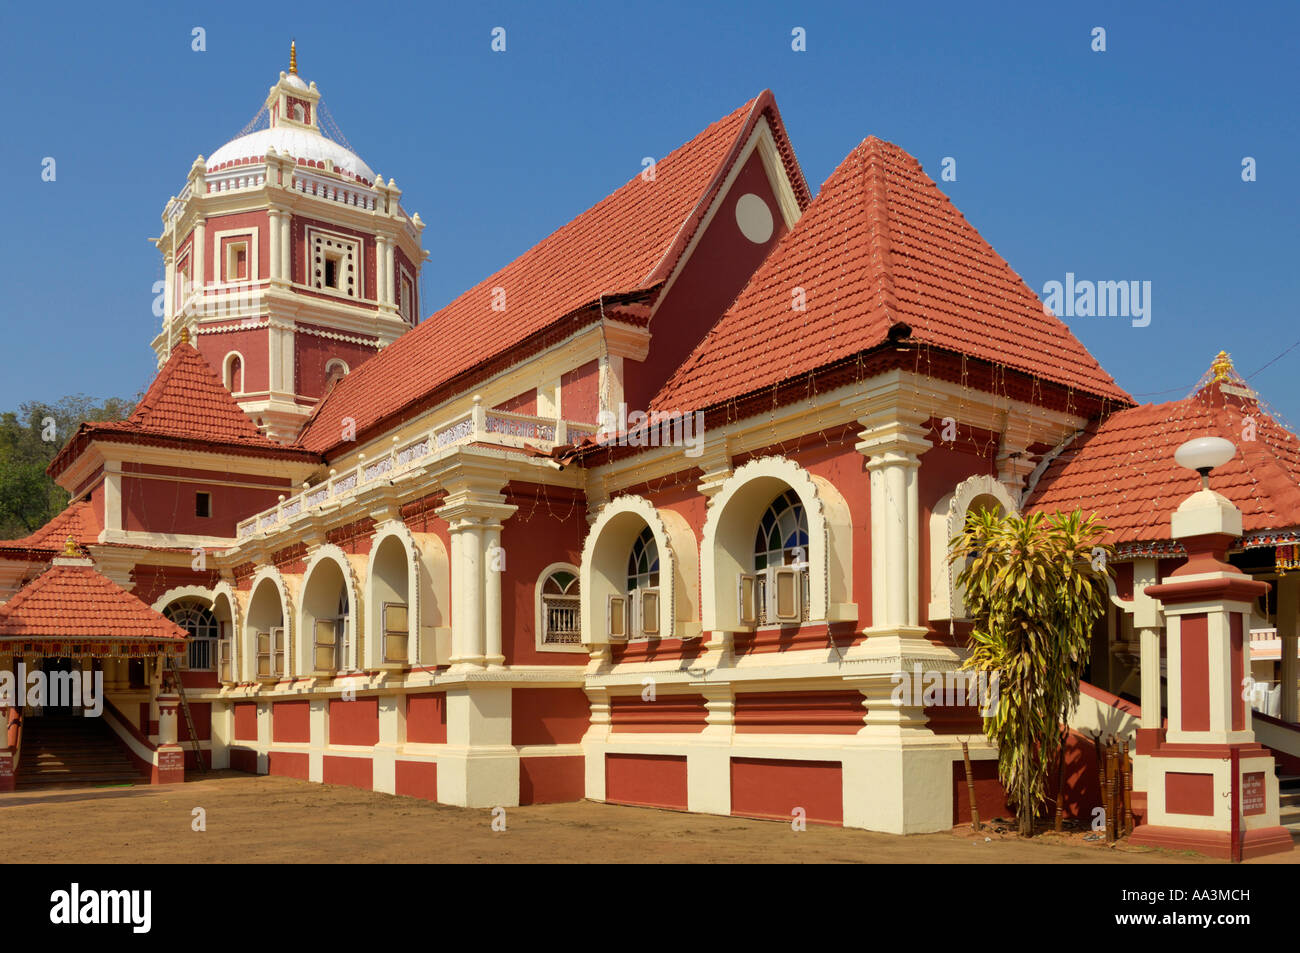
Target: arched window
[[779, 591], [560, 613], [335, 370], [234, 374], [201, 625], [642, 603], [949, 518]]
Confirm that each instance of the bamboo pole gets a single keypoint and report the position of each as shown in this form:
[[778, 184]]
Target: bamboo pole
[[1059, 823], [970, 787]]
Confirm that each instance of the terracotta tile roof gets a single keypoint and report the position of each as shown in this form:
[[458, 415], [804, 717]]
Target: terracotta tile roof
[[78, 520], [627, 242], [186, 404], [76, 602], [187, 399], [1123, 467], [880, 245]]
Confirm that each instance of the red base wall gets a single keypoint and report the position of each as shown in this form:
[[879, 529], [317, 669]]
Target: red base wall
[[417, 779], [349, 772], [289, 764], [990, 799], [243, 759], [646, 780], [548, 780], [772, 790]]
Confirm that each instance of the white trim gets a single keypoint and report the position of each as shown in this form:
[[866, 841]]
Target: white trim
[[243, 373], [604, 565]]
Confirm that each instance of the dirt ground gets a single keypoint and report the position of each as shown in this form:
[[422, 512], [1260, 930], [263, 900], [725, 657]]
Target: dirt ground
[[267, 819]]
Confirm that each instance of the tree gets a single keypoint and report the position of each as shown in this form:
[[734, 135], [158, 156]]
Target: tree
[[1034, 588], [29, 439]]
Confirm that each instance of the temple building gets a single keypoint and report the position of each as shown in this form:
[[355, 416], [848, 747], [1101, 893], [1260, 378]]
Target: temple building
[[653, 515]]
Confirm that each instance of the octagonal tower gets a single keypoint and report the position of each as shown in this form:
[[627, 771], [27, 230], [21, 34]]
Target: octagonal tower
[[289, 261]]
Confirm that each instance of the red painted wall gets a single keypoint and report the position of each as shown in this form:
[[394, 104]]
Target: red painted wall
[[646, 780], [289, 764], [551, 780], [772, 789], [243, 759], [1195, 664], [417, 779], [245, 222], [579, 393], [252, 347], [1187, 793], [246, 721], [291, 722], [548, 716], [839, 713], [201, 712], [311, 353], [543, 530], [350, 772], [164, 506], [525, 403], [990, 798], [667, 713], [426, 719], [355, 722]]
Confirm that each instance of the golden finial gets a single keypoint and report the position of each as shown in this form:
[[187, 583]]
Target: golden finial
[[185, 335], [293, 58], [1221, 367], [70, 547]]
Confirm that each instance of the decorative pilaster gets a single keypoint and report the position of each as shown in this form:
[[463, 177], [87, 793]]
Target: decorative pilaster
[[1288, 627], [893, 441]]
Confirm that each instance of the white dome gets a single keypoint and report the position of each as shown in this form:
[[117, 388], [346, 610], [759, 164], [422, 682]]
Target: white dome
[[299, 143], [293, 79]]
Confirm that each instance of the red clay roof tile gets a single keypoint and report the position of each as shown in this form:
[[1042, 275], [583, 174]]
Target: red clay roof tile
[[76, 602], [1123, 468], [880, 245], [78, 520]]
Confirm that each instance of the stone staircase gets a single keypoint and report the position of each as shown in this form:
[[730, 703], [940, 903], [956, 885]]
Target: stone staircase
[[72, 751]]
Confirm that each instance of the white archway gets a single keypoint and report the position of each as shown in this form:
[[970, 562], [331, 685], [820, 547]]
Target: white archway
[[412, 569], [329, 583], [604, 567], [226, 607], [728, 548], [946, 522], [270, 608], [228, 373]]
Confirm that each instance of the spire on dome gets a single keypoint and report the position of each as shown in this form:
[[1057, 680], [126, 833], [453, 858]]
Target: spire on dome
[[293, 58], [1222, 366]]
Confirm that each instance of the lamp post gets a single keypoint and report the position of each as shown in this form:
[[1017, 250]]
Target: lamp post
[[1211, 786]]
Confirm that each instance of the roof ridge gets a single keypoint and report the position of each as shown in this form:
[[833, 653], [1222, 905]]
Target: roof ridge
[[876, 212]]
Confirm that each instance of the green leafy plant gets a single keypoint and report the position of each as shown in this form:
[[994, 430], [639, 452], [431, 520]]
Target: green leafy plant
[[1034, 587]]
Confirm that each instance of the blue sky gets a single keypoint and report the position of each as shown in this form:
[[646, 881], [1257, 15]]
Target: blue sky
[[1116, 165]]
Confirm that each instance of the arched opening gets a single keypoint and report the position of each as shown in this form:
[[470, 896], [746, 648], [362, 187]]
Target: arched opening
[[327, 620], [778, 550], [778, 590], [630, 576], [390, 605], [335, 371], [227, 642], [197, 619], [559, 609], [976, 494], [265, 632], [234, 373]]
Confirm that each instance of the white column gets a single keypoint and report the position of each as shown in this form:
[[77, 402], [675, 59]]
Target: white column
[[893, 443], [286, 247], [493, 567], [1288, 627], [390, 274], [273, 242], [1150, 676], [381, 256]]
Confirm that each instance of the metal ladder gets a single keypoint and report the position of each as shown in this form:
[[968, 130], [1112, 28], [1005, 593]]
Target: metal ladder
[[185, 708]]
